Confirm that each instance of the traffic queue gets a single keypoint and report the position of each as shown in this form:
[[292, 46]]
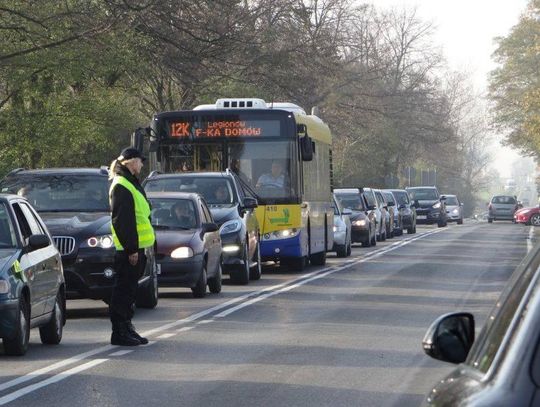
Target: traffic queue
[[58, 241]]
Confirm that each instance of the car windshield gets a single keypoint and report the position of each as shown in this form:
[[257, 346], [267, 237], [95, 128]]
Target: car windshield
[[452, 201], [217, 191], [173, 213], [389, 198], [61, 192], [351, 201], [401, 196], [503, 199], [423, 194], [7, 233]]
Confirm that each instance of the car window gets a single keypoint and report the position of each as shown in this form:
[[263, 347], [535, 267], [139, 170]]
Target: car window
[[351, 201], [389, 198], [424, 194], [402, 197], [216, 191], [23, 223], [452, 201], [504, 200], [497, 325], [8, 238], [61, 192], [174, 213], [370, 198], [207, 213], [380, 199]]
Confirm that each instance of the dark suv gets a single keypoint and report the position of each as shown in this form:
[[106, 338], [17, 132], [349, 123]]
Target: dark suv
[[74, 204], [232, 210], [430, 205]]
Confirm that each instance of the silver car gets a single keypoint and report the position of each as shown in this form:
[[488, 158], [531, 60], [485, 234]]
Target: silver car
[[502, 207], [454, 209], [342, 230]]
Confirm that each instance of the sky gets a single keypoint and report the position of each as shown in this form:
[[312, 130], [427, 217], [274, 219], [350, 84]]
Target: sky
[[465, 30]]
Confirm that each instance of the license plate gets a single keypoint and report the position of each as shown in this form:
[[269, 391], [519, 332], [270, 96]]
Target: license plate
[[158, 269], [421, 217]]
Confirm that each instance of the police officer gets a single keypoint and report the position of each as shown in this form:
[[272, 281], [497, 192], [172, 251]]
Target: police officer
[[132, 233]]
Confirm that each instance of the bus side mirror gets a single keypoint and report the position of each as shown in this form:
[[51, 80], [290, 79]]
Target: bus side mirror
[[137, 138], [306, 148]]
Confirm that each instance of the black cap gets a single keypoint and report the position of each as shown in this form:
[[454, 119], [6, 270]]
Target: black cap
[[130, 152]]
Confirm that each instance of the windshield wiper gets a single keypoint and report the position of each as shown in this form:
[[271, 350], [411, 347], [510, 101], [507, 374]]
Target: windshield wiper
[[161, 227], [248, 187]]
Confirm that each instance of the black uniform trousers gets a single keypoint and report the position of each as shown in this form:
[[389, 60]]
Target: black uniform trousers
[[124, 294]]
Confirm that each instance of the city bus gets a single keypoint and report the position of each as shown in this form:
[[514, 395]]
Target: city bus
[[281, 156]]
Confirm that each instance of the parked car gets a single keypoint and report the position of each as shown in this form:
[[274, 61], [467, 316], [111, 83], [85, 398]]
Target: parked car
[[74, 204], [528, 216], [188, 252], [393, 208], [32, 288], [430, 205], [502, 207], [406, 208], [501, 367], [389, 211], [374, 210], [342, 230], [233, 212], [363, 221], [454, 209]]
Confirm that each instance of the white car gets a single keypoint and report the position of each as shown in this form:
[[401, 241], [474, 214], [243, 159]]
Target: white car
[[342, 230], [454, 209]]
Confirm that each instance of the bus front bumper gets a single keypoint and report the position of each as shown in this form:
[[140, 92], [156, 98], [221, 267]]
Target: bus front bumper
[[276, 249]]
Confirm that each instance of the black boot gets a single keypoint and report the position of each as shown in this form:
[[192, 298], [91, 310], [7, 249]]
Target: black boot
[[121, 335], [131, 330]]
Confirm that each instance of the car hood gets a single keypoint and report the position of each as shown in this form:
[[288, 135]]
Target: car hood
[[357, 216], [452, 207], [427, 203], [168, 240], [223, 214], [77, 223], [7, 258], [534, 209]]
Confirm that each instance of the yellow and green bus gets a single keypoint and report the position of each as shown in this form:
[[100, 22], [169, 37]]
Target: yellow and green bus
[[281, 156]]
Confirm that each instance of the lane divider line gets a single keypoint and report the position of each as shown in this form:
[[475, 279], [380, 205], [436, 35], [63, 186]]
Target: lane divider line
[[166, 336], [121, 352], [530, 239], [259, 296]]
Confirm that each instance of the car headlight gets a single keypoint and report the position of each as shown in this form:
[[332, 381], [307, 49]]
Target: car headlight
[[281, 234], [360, 222], [455, 212], [436, 205], [183, 252], [104, 241], [4, 286], [230, 226]]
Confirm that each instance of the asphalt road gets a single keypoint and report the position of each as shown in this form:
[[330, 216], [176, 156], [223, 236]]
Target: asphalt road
[[348, 334]]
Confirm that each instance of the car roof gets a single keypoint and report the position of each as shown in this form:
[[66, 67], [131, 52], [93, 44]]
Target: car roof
[[63, 171], [346, 191], [452, 195], [9, 197], [172, 195], [422, 187], [190, 174]]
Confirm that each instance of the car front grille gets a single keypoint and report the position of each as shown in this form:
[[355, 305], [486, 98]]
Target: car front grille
[[64, 244]]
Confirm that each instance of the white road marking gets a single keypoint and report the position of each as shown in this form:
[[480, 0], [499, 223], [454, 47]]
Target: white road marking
[[259, 296], [166, 336], [184, 329], [530, 239], [205, 321], [54, 379], [121, 352]]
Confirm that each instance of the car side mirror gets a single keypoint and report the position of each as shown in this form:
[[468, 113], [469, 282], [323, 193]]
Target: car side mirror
[[36, 242], [450, 337], [371, 207], [402, 206], [209, 227], [442, 198], [249, 203], [306, 148], [416, 204], [346, 211]]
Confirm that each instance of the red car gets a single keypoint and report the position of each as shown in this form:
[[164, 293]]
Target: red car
[[528, 216]]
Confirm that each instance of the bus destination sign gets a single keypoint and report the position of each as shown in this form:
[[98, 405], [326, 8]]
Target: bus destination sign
[[225, 128]]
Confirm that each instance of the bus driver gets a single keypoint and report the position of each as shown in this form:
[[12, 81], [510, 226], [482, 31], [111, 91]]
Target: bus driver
[[275, 179]]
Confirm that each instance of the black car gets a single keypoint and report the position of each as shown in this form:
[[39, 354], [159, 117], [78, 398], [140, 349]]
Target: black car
[[232, 210], [502, 366], [430, 205], [363, 222], [32, 290], [406, 208], [393, 210], [188, 249], [74, 204]]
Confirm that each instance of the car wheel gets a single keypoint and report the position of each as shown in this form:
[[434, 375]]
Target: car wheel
[[51, 333], [214, 284], [410, 230], [374, 239], [383, 237], [17, 345], [490, 220], [535, 219], [349, 248], [256, 271], [341, 250], [367, 241], [147, 297], [460, 221], [240, 273], [199, 291]]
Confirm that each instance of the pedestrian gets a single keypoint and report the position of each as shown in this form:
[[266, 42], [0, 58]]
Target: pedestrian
[[132, 233]]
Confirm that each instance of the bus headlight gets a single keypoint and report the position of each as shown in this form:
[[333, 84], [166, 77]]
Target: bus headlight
[[183, 252], [281, 234], [231, 226]]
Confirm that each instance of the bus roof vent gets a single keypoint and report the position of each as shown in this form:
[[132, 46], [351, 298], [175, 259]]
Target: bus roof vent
[[290, 107], [240, 103]]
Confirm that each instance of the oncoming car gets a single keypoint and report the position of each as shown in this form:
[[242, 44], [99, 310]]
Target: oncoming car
[[32, 290], [188, 250]]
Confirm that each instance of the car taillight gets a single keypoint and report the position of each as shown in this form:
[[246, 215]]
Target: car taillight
[[490, 207]]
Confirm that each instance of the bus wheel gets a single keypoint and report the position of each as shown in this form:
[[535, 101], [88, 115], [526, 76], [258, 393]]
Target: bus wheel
[[295, 264]]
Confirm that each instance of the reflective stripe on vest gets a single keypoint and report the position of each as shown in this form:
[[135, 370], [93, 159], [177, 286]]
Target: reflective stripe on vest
[[145, 231]]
